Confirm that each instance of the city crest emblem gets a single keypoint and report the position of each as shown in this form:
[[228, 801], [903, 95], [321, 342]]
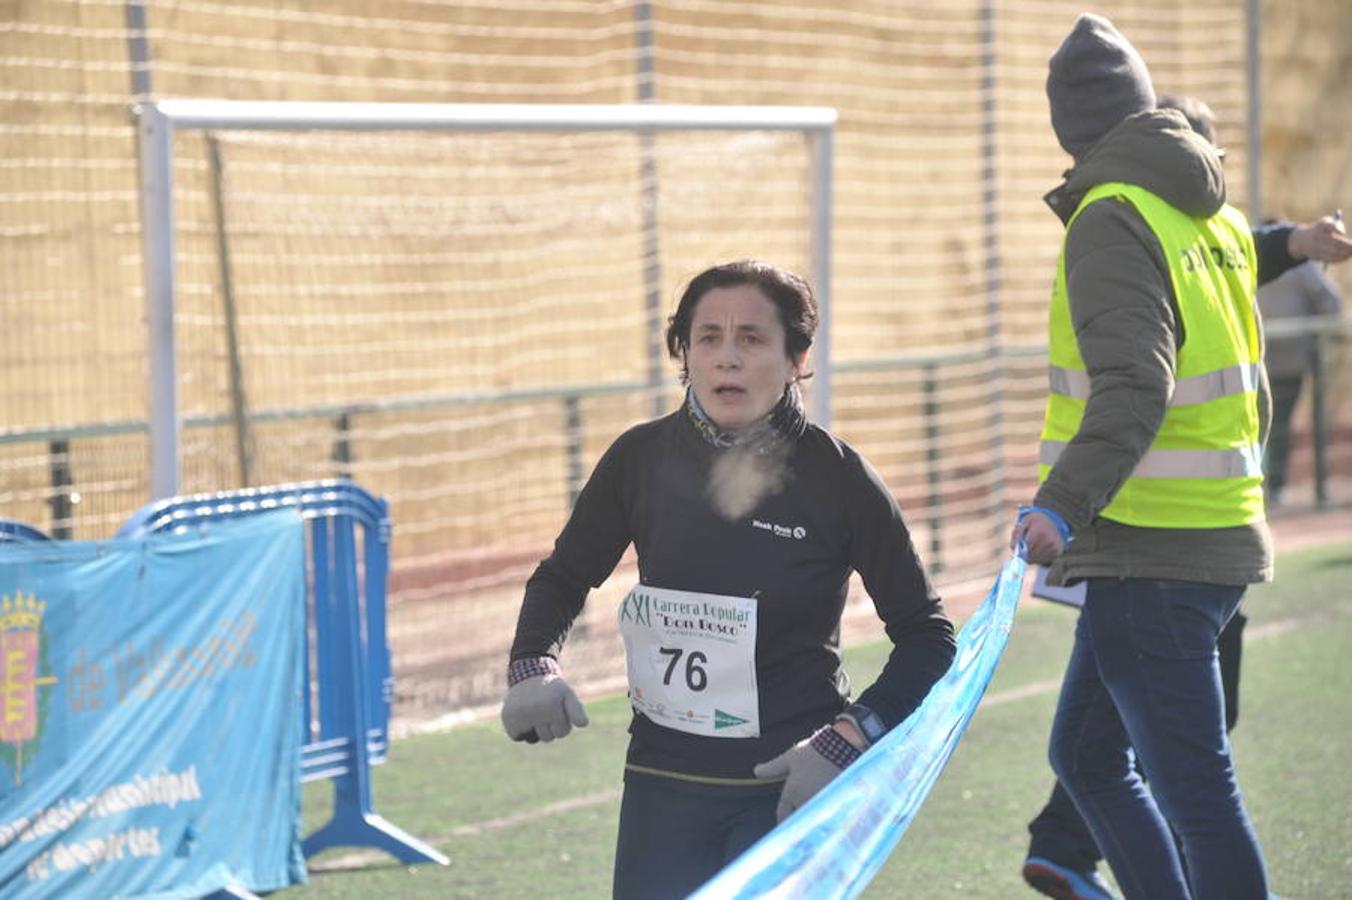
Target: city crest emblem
[[22, 654]]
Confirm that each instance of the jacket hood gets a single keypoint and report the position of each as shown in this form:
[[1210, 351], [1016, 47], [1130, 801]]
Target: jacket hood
[[1156, 150]]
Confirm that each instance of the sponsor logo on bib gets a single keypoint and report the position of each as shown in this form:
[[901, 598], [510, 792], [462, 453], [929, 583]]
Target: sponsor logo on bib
[[726, 720]]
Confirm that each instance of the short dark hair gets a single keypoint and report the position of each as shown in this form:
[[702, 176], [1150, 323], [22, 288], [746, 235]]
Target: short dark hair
[[1198, 114], [791, 295]]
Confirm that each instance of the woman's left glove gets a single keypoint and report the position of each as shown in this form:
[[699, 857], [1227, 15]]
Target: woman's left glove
[[807, 767], [540, 706]]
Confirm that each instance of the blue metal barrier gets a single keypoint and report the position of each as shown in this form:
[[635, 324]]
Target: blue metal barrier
[[349, 659], [14, 530]]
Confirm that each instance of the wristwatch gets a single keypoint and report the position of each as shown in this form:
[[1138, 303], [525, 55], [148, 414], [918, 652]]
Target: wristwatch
[[869, 723]]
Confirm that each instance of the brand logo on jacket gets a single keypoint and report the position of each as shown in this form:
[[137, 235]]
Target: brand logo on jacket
[[798, 532]]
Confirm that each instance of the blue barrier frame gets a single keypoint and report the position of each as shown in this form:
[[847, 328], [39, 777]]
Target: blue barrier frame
[[351, 655], [14, 530]]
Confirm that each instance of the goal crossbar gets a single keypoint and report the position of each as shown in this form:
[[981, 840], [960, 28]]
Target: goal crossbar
[[158, 121]]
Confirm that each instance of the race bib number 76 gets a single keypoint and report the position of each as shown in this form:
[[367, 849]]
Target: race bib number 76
[[691, 660]]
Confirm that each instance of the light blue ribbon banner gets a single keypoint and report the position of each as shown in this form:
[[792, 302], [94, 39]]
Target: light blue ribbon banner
[[150, 730], [836, 842]]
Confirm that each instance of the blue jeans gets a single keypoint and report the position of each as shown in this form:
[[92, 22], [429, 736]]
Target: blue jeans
[[1143, 681], [1059, 833]]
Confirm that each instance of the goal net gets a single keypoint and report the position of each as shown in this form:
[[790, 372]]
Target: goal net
[[460, 321]]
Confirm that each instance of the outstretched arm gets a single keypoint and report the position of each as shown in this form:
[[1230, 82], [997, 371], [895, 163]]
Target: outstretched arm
[[1282, 245], [1323, 240]]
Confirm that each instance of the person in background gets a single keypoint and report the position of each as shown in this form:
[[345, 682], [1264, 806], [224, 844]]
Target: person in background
[[1149, 463], [1062, 856], [1301, 292], [1281, 245], [748, 521]]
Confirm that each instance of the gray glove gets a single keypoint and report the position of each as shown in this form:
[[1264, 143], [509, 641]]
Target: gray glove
[[539, 705], [807, 767]]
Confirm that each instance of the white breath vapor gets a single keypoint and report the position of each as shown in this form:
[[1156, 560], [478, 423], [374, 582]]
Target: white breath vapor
[[742, 477]]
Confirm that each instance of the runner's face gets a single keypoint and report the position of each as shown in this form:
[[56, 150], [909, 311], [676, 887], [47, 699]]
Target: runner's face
[[738, 359]]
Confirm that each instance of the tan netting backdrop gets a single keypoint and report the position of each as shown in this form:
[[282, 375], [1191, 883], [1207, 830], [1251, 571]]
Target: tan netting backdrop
[[461, 322]]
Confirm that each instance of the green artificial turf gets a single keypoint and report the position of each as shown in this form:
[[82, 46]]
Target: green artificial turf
[[539, 821]]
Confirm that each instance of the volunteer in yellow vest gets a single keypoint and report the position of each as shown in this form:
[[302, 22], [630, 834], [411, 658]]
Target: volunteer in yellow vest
[[1151, 485], [1203, 469]]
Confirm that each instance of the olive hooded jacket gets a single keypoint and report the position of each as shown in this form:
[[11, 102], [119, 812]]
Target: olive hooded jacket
[[1126, 321]]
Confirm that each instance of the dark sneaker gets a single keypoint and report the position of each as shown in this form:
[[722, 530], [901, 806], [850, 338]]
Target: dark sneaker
[[1046, 877]]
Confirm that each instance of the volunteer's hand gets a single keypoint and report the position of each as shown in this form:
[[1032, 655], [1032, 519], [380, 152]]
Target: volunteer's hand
[[1041, 535], [539, 705], [1323, 240], [807, 767]]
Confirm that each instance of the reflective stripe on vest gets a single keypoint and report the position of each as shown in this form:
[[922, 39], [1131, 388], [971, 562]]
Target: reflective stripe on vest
[[1242, 462], [1237, 379]]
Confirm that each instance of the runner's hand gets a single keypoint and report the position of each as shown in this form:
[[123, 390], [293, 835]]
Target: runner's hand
[[539, 704], [807, 767]]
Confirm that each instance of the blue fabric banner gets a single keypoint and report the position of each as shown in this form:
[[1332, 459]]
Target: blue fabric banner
[[834, 845], [151, 726]]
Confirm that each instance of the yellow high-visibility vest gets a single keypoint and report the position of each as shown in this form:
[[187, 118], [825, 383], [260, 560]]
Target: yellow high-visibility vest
[[1204, 468]]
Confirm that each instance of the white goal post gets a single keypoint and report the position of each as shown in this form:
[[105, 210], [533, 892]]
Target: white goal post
[[157, 123]]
